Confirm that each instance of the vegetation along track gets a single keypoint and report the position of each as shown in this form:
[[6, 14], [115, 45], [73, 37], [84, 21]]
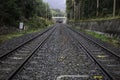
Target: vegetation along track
[[108, 60], [13, 61], [61, 52]]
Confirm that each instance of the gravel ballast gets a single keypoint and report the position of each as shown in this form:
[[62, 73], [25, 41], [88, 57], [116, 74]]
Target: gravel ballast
[[58, 56]]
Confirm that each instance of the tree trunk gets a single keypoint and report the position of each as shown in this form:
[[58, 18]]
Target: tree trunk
[[114, 8], [97, 8], [79, 9]]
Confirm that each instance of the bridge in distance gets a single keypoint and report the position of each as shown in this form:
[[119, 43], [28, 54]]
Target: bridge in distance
[[59, 19]]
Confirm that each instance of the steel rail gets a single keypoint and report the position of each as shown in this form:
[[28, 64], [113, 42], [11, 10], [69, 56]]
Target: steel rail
[[20, 67], [89, 53], [97, 43], [22, 44]]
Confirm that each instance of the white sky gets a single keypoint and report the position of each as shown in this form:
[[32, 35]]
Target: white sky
[[57, 4]]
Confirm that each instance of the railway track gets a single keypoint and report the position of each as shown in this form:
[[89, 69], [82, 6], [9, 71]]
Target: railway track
[[60, 54], [94, 70], [27, 41], [107, 60], [13, 61]]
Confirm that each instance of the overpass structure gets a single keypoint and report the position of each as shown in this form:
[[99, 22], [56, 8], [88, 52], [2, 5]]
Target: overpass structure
[[63, 19]]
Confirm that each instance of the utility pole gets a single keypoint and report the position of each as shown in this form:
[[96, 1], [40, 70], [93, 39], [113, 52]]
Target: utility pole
[[97, 8], [46, 11], [74, 10], [52, 13], [73, 2], [79, 9], [114, 7], [70, 15]]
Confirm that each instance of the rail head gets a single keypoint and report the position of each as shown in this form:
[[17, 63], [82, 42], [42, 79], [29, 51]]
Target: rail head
[[20, 67], [39, 34], [89, 53], [105, 48]]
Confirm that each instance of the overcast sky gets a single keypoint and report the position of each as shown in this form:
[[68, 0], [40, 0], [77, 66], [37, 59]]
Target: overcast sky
[[57, 4]]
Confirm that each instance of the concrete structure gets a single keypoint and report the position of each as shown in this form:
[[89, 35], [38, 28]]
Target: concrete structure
[[110, 27], [63, 19]]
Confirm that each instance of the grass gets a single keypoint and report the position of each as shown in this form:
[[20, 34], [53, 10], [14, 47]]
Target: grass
[[114, 41], [6, 37], [104, 38], [97, 19], [102, 19]]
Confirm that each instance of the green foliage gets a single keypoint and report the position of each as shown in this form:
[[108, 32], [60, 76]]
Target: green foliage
[[43, 10], [57, 12], [87, 9], [14, 11], [9, 12], [6, 37], [38, 22], [113, 41]]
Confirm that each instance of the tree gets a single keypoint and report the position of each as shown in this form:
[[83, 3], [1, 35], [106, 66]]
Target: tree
[[9, 12], [14, 11], [84, 9]]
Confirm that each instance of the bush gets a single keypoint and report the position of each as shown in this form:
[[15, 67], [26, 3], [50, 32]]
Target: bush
[[37, 22]]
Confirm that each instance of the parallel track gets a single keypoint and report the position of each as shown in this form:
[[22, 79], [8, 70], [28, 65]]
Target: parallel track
[[107, 60], [12, 62], [71, 59], [79, 53], [22, 44]]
